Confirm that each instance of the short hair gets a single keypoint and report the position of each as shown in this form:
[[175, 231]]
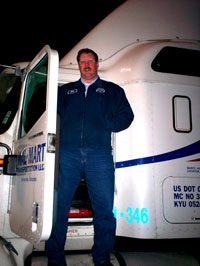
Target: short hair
[[87, 51]]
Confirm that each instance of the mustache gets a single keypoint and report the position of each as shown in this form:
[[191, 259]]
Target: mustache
[[87, 68]]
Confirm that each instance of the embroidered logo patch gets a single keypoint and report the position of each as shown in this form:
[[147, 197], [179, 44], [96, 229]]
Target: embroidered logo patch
[[100, 90], [69, 92]]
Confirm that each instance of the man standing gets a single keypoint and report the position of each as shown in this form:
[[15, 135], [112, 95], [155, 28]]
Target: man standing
[[90, 110]]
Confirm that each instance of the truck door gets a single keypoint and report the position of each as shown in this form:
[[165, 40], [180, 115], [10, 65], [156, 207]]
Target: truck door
[[34, 144]]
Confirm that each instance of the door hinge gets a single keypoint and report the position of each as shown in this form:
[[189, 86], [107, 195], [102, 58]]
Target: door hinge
[[35, 207], [51, 142]]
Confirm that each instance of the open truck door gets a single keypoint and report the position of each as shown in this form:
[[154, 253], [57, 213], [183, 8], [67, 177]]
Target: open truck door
[[31, 205]]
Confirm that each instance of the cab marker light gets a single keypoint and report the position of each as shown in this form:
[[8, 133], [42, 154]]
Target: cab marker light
[[51, 143], [1, 162]]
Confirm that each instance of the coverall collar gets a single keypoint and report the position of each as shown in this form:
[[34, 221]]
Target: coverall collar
[[97, 83]]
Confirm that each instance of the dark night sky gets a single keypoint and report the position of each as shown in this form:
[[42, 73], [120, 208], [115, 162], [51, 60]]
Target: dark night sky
[[27, 26]]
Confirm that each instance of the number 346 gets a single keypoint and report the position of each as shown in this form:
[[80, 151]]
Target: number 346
[[137, 215]]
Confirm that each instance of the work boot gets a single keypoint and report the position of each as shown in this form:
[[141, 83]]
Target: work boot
[[107, 263], [55, 264]]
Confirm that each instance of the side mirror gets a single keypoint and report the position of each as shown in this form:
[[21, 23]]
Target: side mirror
[[10, 165]]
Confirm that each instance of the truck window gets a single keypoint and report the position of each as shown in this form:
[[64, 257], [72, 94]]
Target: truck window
[[34, 103], [10, 87], [176, 60]]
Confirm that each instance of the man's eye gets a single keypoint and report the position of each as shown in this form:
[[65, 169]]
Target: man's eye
[[87, 62]]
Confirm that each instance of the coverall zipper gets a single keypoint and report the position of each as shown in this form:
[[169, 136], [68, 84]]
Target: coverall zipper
[[83, 120]]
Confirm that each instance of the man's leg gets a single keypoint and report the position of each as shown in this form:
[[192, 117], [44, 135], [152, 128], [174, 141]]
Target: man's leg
[[99, 170], [69, 178]]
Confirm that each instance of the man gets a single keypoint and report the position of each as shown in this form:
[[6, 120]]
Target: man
[[90, 109]]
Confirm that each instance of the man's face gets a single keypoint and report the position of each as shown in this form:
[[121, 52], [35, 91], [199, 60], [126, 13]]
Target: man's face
[[88, 67]]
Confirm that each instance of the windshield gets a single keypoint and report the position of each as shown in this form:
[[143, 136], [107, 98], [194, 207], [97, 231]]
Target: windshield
[[10, 87]]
